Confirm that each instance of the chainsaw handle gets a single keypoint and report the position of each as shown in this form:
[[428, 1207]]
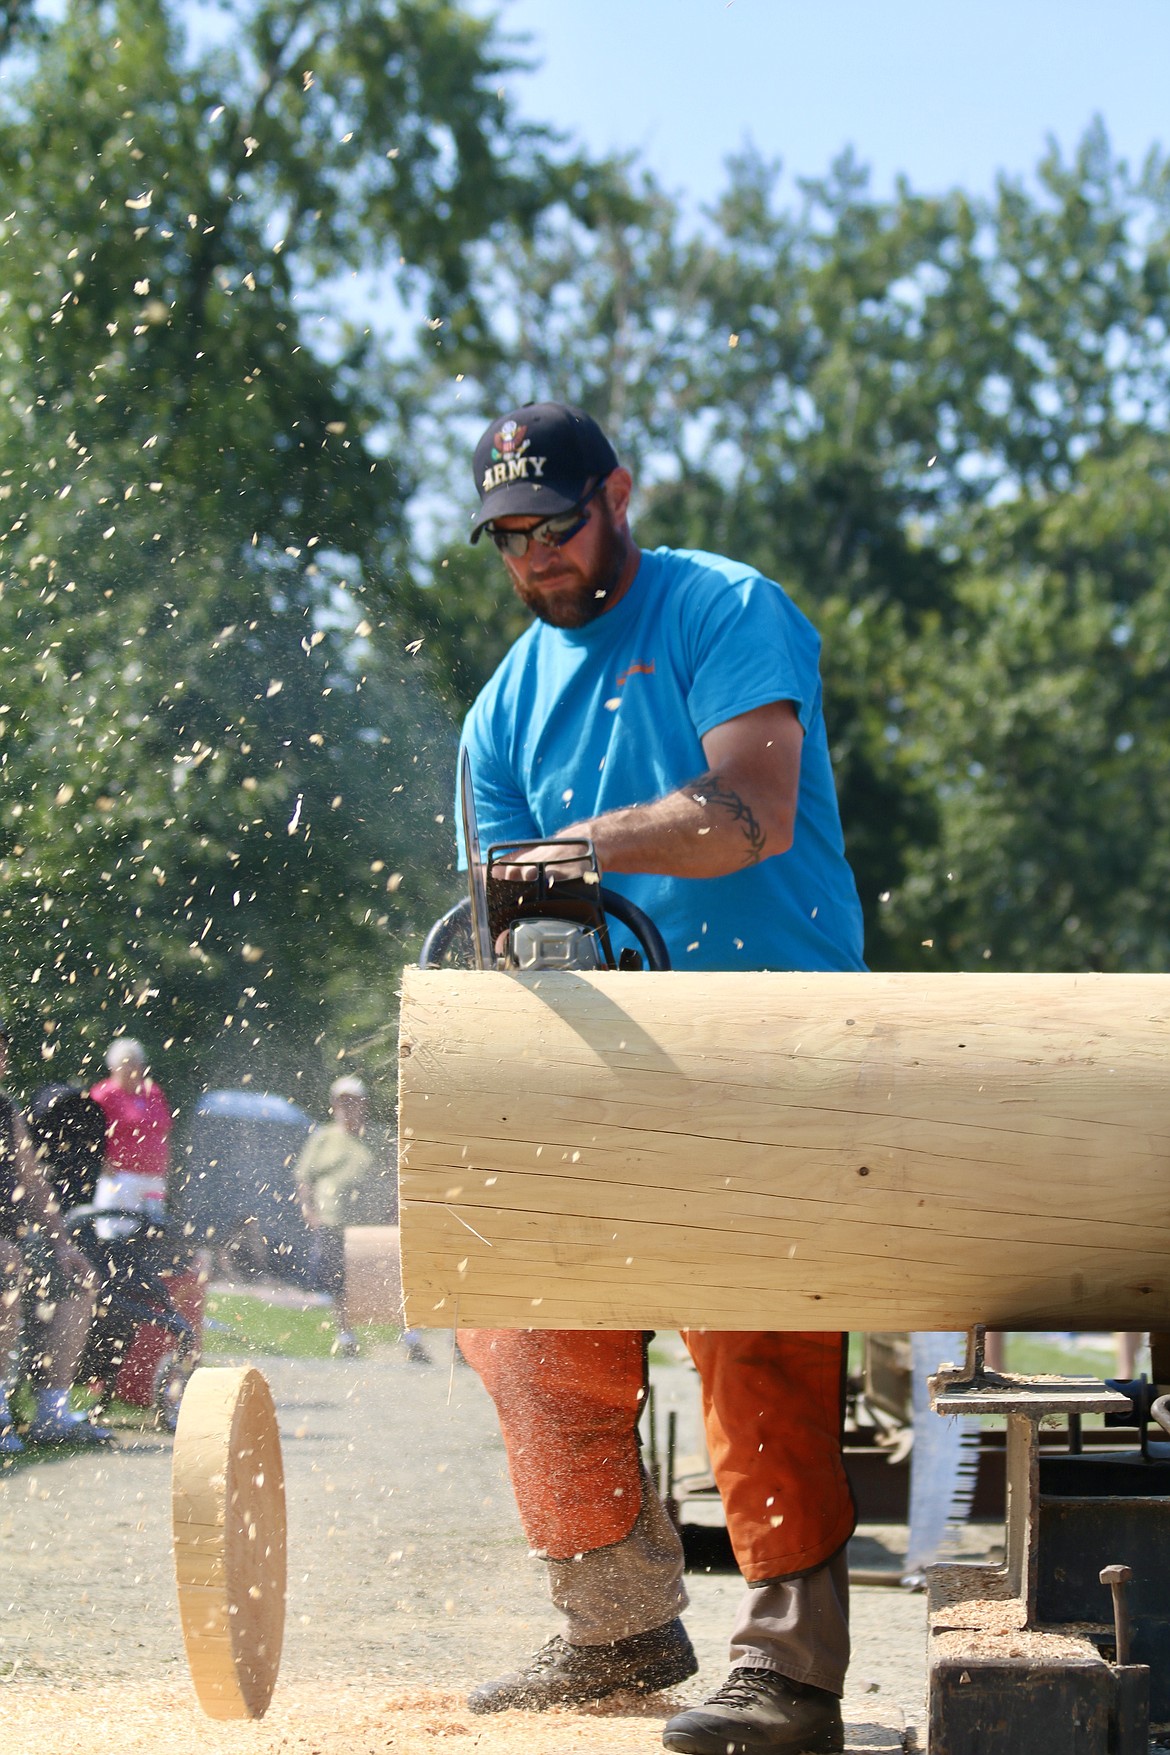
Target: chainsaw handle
[[445, 934], [640, 924], [455, 925]]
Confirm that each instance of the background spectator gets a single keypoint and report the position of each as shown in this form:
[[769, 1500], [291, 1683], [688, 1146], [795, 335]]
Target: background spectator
[[331, 1172], [335, 1173], [44, 1280], [138, 1129], [336, 1167]]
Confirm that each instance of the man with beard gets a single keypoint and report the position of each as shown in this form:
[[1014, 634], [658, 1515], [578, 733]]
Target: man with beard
[[666, 706]]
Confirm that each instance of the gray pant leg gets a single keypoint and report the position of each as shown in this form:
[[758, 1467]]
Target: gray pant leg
[[798, 1627], [613, 1593]]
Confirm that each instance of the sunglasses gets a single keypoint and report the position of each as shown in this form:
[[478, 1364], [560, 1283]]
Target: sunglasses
[[552, 533]]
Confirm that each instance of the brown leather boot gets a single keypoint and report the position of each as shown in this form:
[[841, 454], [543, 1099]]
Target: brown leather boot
[[560, 1674], [758, 1712]]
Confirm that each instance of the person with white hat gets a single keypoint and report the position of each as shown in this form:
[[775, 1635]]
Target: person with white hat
[[334, 1173], [138, 1131]]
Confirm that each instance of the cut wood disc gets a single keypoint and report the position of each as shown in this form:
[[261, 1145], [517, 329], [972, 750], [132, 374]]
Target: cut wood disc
[[227, 1502]]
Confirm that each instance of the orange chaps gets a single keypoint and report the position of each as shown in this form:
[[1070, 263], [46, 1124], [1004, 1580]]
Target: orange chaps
[[569, 1402]]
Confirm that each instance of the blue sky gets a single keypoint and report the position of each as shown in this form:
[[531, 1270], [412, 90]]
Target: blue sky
[[947, 93]]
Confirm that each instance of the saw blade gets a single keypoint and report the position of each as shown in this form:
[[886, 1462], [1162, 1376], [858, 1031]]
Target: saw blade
[[481, 937], [944, 1460]]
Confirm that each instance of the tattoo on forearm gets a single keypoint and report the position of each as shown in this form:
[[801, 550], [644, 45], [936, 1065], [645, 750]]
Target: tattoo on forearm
[[710, 789]]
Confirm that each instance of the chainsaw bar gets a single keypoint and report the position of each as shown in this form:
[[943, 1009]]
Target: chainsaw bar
[[481, 937]]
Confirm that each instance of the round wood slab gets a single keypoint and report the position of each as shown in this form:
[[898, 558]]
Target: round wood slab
[[227, 1503]]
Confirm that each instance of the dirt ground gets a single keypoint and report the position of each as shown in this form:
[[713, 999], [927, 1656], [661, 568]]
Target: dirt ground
[[408, 1581]]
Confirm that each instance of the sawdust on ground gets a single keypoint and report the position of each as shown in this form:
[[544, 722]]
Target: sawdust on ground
[[336, 1721], [409, 1581]]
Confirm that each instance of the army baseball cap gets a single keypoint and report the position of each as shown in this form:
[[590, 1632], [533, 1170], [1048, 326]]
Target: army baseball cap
[[538, 460]]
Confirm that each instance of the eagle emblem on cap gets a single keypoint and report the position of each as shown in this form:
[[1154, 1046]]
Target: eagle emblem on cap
[[510, 440]]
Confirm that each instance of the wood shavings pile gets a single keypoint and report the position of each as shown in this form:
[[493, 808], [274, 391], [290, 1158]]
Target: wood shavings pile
[[124, 1720], [120, 1719]]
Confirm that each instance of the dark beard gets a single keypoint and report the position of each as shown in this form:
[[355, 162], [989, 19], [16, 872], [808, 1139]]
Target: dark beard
[[575, 606]]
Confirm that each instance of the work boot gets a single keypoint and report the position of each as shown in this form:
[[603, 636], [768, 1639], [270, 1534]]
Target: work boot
[[757, 1712], [560, 1674]]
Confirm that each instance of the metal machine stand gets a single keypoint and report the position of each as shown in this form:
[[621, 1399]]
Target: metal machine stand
[[1022, 1656]]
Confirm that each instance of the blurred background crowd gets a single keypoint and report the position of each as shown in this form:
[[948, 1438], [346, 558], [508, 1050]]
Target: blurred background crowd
[[107, 1243]]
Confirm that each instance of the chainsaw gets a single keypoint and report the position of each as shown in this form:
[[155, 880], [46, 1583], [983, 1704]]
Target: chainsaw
[[545, 920]]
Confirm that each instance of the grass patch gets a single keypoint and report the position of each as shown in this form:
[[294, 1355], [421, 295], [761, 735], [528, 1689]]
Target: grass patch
[[1079, 1356], [119, 1415], [250, 1325], [1025, 1354]]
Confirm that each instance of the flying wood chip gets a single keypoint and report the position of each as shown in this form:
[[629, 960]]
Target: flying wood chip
[[227, 1499]]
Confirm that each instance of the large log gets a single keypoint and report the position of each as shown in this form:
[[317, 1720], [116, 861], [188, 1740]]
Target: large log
[[785, 1151]]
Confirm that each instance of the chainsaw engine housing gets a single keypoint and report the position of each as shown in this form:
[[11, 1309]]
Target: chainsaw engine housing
[[552, 944]]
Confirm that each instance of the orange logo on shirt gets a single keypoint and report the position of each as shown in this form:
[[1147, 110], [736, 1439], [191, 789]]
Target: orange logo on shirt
[[635, 670]]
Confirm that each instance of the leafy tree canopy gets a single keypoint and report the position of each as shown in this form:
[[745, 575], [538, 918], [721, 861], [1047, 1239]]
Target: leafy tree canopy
[[224, 776]]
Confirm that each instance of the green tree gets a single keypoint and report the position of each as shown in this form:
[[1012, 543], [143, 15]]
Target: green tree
[[223, 770], [1040, 724]]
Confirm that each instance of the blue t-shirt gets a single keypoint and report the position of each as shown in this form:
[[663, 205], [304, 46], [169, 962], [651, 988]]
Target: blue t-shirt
[[580, 721]]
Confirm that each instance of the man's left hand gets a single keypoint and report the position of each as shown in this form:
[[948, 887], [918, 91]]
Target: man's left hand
[[561, 860]]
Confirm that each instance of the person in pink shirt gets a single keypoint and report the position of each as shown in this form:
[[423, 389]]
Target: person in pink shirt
[[134, 1180], [138, 1129]]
